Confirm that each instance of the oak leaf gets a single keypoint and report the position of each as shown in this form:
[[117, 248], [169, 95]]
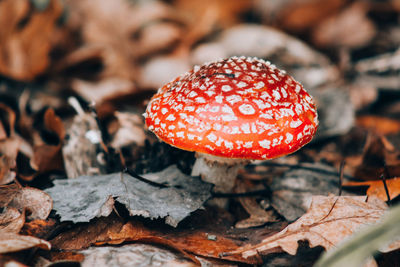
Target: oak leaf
[[329, 220]]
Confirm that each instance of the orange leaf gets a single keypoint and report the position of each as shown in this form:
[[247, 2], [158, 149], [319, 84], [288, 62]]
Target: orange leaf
[[380, 125], [189, 242], [377, 189]]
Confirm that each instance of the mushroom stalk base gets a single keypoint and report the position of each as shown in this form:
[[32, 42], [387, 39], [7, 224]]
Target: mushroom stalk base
[[221, 172]]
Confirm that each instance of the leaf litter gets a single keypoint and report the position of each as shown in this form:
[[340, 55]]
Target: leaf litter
[[329, 221], [117, 53], [81, 199]]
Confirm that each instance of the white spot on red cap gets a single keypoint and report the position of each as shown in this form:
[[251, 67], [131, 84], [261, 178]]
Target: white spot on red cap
[[289, 138], [219, 99], [212, 137], [200, 100], [232, 99], [170, 117], [295, 124], [265, 143], [192, 94], [248, 144], [247, 109], [226, 88], [242, 84]]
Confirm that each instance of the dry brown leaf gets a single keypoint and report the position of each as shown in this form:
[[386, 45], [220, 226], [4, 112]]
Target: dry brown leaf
[[6, 174], [380, 125], [7, 121], [26, 37], [102, 90], [328, 221], [298, 15], [83, 147], [9, 144], [379, 157], [377, 189], [7, 194], [48, 157], [11, 242], [130, 130], [227, 12], [113, 230], [257, 215], [38, 228], [11, 221], [35, 201], [110, 25], [351, 28]]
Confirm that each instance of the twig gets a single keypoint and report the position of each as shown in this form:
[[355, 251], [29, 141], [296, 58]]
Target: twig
[[385, 175], [140, 178], [298, 166], [386, 188]]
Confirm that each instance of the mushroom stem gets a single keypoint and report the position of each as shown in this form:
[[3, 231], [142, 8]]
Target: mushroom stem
[[221, 172]]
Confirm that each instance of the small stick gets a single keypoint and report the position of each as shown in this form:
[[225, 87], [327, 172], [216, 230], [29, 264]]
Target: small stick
[[140, 178], [299, 166], [383, 177]]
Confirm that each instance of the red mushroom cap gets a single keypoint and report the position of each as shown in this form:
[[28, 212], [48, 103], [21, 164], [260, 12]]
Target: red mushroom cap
[[238, 108]]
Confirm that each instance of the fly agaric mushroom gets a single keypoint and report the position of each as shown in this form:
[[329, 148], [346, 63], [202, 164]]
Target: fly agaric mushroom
[[230, 112]]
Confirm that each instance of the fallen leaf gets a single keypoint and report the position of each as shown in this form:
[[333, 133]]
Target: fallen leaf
[[292, 193], [7, 194], [329, 220], [162, 69], [257, 216], [380, 71], [11, 242], [6, 174], [25, 47], [379, 157], [113, 230], [9, 144], [11, 220], [47, 157], [103, 90], [130, 130], [377, 189], [82, 148], [111, 26], [383, 236], [81, 199], [7, 121], [351, 28], [38, 228], [227, 12], [132, 255], [298, 15], [35, 201], [380, 125]]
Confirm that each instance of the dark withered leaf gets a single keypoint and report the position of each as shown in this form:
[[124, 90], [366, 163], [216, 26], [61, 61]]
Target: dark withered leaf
[[84, 198]]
